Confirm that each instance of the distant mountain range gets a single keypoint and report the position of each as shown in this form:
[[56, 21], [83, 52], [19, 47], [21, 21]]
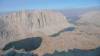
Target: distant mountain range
[[74, 14]]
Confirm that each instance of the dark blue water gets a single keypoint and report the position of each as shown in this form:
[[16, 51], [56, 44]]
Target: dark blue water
[[76, 52], [73, 52], [69, 29], [27, 44]]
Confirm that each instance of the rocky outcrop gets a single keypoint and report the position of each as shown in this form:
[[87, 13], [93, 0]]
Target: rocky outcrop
[[23, 24]]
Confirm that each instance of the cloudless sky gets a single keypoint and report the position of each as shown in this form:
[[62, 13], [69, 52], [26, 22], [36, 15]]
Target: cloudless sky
[[14, 5]]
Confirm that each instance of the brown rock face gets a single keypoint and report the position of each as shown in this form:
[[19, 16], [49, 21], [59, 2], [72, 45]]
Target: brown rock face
[[66, 41], [19, 25]]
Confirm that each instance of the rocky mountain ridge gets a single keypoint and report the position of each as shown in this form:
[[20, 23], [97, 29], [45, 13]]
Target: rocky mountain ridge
[[19, 25]]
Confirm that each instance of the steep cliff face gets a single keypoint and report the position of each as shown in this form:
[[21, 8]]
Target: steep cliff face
[[19, 25]]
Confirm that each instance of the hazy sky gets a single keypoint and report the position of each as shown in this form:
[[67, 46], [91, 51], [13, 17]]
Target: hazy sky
[[13, 5]]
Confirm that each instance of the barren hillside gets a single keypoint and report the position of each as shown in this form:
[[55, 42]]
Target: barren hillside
[[89, 22], [24, 24], [19, 25]]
